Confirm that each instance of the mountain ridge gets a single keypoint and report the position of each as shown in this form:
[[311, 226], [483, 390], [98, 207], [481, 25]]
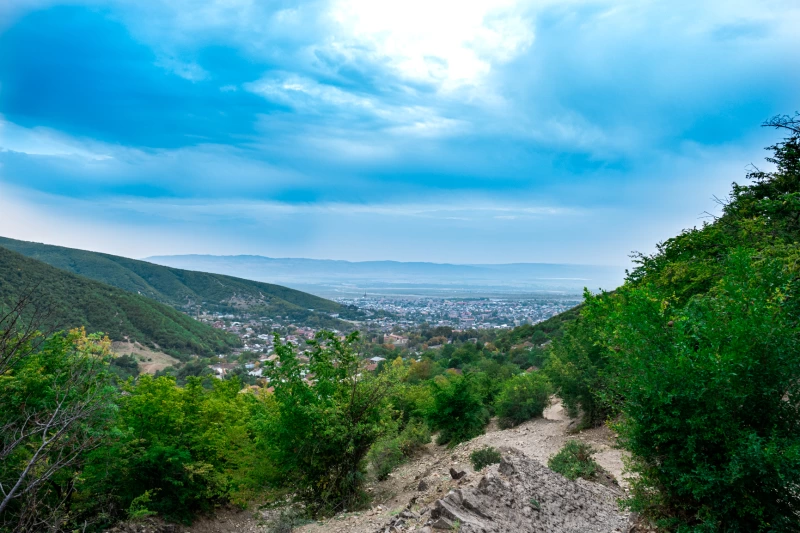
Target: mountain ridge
[[74, 301], [184, 289], [331, 274]]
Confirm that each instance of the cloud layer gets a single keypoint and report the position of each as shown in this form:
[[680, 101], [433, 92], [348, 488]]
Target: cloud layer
[[437, 130]]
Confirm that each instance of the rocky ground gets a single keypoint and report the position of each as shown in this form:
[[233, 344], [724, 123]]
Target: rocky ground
[[520, 495]]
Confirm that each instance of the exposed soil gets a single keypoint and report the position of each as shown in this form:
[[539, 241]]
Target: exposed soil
[[150, 361], [538, 439]]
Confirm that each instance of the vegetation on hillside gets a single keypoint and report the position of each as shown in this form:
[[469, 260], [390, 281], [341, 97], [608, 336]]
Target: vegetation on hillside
[[75, 301], [696, 358], [186, 289]]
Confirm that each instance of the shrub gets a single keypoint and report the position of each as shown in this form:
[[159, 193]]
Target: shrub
[[484, 457], [178, 450], [574, 460], [321, 431], [457, 412], [522, 397], [577, 369], [286, 521], [384, 456], [414, 437], [711, 393]]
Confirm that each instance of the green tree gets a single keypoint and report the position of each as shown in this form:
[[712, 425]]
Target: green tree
[[457, 412], [55, 407], [324, 424], [712, 397], [577, 368], [522, 397], [185, 449]]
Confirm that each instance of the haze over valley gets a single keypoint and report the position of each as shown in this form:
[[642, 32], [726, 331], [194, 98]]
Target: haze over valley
[[345, 279]]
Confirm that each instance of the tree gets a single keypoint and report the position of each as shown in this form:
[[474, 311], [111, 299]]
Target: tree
[[577, 368], [711, 393], [325, 422], [457, 411], [522, 397], [55, 405]]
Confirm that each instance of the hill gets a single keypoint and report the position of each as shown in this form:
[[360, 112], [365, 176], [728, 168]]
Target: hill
[[186, 289], [74, 301]]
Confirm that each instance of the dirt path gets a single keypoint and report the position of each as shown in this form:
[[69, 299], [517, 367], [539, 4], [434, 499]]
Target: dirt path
[[539, 439]]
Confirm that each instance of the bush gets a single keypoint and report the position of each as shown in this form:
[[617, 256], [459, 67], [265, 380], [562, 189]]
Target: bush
[[484, 457], [384, 456], [286, 521], [574, 460], [321, 431], [178, 451], [522, 397], [711, 393], [414, 437], [577, 369], [458, 412]]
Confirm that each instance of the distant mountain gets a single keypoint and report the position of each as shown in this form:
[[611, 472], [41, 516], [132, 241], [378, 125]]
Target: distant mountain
[[394, 277], [184, 289], [75, 301]]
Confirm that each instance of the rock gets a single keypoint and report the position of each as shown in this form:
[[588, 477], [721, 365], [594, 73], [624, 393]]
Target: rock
[[456, 475], [443, 523], [524, 496]]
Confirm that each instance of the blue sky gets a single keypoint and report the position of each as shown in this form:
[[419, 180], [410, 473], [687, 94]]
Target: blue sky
[[451, 131]]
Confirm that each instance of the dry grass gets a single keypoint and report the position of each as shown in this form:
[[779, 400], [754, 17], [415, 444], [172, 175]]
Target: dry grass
[[149, 361]]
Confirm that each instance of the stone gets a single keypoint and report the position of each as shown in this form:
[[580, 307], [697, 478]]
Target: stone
[[457, 475], [443, 523], [524, 496]]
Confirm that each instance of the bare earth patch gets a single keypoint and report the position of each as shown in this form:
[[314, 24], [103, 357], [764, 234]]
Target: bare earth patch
[[150, 361], [538, 439]]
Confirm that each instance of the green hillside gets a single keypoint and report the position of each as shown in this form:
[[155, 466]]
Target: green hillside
[[185, 289], [78, 301]]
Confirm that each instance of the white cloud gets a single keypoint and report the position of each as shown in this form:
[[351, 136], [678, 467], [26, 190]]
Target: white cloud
[[447, 43], [187, 70]]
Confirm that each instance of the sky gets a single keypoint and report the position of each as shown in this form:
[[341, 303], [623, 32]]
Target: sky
[[569, 131]]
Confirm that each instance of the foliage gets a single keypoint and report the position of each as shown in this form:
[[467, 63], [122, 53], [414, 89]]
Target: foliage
[[484, 456], [522, 397], [394, 448], [384, 456], [574, 460], [185, 448], [711, 397], [697, 356], [124, 367], [577, 368], [286, 520], [321, 430], [537, 334], [414, 437], [54, 408], [457, 411]]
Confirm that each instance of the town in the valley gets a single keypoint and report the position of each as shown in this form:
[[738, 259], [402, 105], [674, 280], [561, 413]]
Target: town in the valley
[[392, 326]]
